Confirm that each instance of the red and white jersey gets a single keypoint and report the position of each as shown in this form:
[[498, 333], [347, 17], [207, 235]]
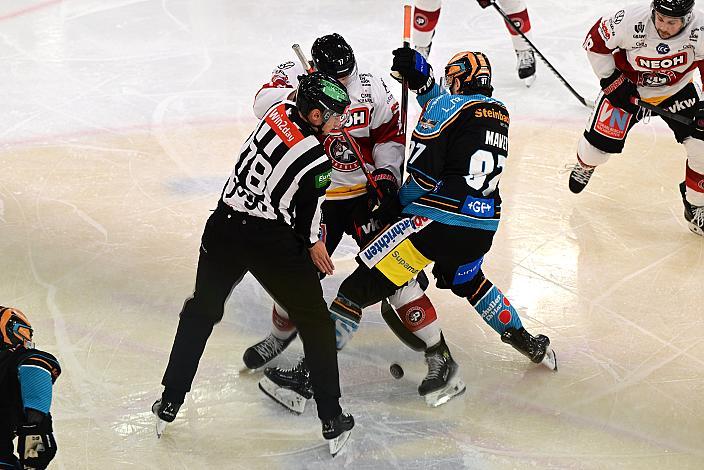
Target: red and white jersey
[[373, 123], [628, 40]]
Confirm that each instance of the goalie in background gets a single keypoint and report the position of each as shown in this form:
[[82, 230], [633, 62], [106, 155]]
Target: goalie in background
[[27, 376]]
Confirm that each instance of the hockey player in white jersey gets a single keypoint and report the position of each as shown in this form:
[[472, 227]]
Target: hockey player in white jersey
[[426, 14], [375, 126], [649, 52]]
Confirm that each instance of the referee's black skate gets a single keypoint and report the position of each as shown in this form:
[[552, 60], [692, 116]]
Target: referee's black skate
[[265, 350], [337, 431], [165, 412], [289, 387], [694, 215], [535, 348], [443, 381]]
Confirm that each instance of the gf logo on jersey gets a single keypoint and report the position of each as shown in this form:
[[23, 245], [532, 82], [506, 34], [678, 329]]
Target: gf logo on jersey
[[662, 48]]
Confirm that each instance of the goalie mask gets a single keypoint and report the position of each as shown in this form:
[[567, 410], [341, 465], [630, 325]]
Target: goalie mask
[[15, 329], [473, 71]]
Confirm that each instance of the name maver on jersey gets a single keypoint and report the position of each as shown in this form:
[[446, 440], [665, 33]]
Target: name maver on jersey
[[458, 152]]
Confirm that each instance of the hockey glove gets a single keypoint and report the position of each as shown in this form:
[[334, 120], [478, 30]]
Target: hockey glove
[[36, 444], [619, 90], [411, 65], [388, 207], [485, 3], [699, 121]]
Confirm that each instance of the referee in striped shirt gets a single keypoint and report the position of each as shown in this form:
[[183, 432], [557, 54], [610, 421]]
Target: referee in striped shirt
[[267, 223]]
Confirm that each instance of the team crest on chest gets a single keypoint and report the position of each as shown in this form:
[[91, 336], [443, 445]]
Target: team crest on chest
[[341, 156]]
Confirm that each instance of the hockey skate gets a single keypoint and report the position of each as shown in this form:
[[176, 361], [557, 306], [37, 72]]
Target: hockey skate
[[337, 431], [165, 412], [289, 387], [265, 350], [526, 66], [579, 176], [535, 348], [694, 215], [443, 381]]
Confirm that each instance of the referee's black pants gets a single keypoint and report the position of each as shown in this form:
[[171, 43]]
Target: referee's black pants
[[233, 244]]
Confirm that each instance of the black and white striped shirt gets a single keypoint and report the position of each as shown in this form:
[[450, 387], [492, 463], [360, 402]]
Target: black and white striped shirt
[[281, 173]]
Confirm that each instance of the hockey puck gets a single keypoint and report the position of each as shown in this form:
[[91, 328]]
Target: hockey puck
[[396, 370]]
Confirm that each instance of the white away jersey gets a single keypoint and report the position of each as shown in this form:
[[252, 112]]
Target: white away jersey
[[628, 40], [373, 123]]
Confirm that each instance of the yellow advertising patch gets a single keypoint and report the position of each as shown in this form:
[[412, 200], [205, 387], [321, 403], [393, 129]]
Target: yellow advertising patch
[[403, 263]]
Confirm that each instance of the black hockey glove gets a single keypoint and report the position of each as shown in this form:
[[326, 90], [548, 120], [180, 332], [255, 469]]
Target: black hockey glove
[[411, 65], [389, 206], [485, 3], [619, 90], [36, 444]]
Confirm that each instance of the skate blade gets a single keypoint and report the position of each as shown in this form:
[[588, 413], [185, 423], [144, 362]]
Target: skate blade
[[696, 229], [528, 81], [160, 426], [550, 360], [289, 399], [336, 445], [440, 397]]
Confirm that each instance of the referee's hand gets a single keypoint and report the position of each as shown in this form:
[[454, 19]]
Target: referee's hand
[[321, 259]]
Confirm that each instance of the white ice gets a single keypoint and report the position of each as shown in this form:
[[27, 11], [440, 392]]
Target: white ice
[[119, 125]]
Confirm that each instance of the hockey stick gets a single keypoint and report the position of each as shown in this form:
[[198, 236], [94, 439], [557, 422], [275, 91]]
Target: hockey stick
[[352, 145], [584, 101], [404, 83], [665, 113]]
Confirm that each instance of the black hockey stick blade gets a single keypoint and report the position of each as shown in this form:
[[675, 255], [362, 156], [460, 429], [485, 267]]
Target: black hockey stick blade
[[664, 112], [409, 339]]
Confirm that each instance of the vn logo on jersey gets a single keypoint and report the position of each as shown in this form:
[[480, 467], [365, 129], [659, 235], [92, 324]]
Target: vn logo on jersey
[[660, 63], [612, 122]]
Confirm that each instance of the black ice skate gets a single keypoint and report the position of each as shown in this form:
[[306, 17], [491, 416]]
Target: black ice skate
[[579, 176], [289, 387], [694, 215], [526, 66], [535, 348], [165, 412], [337, 431], [443, 381], [265, 350]]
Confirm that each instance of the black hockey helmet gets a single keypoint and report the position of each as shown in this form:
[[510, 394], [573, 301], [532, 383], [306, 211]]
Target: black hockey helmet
[[473, 70], [322, 91], [332, 54], [15, 329], [673, 8]]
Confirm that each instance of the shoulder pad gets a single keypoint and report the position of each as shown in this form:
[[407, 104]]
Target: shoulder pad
[[45, 360], [444, 109]]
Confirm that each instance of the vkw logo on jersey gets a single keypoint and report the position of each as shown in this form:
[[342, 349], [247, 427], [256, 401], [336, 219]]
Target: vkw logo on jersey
[[639, 28], [612, 122], [663, 63], [681, 105], [662, 48], [656, 79], [359, 119], [341, 156]]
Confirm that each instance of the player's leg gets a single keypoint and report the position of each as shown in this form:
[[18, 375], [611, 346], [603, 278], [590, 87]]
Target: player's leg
[[219, 270], [687, 102], [517, 12], [604, 135], [8, 460], [425, 20], [283, 330]]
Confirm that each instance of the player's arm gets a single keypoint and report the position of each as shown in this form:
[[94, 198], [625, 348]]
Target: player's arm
[[37, 371], [385, 132], [309, 197], [601, 41], [425, 164], [281, 87], [411, 65]]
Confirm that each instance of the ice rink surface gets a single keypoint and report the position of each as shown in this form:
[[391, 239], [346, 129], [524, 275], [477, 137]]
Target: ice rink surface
[[120, 123]]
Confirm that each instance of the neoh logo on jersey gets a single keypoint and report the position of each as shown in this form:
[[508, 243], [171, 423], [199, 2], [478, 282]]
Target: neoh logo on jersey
[[359, 119], [612, 122], [668, 62]]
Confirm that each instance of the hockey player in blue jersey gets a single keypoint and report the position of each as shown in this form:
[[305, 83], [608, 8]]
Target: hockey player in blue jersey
[[450, 209], [27, 376]]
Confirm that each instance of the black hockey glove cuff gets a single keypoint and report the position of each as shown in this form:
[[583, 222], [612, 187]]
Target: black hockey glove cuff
[[619, 90], [389, 205], [411, 65], [485, 3], [36, 444]]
